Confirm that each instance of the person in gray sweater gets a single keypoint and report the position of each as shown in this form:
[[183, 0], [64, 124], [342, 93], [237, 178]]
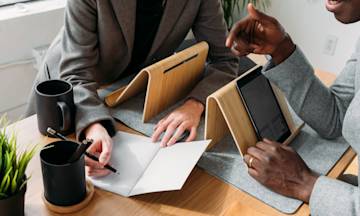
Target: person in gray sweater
[[332, 112]]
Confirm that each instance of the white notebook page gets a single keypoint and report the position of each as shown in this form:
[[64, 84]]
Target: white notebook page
[[144, 167], [131, 155]]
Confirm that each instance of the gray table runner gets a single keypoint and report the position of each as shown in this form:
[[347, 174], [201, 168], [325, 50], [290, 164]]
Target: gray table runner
[[224, 161]]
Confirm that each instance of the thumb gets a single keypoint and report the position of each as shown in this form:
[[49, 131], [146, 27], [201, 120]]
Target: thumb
[[254, 13], [105, 154]]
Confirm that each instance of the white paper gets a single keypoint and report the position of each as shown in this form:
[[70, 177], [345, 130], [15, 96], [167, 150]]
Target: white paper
[[131, 155], [170, 168], [144, 167]]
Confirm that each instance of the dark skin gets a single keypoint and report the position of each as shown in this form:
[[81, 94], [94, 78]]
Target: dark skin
[[274, 165], [280, 168]]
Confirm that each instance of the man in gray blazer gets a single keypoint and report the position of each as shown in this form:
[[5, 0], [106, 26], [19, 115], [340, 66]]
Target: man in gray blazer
[[332, 112], [106, 40]]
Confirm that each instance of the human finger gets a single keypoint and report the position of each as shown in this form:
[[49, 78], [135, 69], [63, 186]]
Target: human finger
[[106, 150], [256, 14], [169, 132], [160, 129], [254, 173], [265, 146], [95, 146], [251, 161], [92, 163], [97, 172], [234, 32], [192, 134], [179, 131], [257, 153]]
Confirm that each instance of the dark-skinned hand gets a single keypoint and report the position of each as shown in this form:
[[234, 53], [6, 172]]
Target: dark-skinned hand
[[260, 34], [281, 169]]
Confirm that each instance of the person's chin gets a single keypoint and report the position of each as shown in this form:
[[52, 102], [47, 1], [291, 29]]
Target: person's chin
[[344, 19], [340, 11]]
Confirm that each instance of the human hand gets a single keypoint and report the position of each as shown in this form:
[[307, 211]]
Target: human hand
[[260, 34], [186, 117], [281, 169], [101, 147]]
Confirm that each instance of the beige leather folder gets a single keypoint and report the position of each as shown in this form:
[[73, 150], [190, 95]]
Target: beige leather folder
[[225, 112], [165, 82]]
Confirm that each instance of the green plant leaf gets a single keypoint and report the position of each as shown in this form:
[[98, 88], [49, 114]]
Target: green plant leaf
[[5, 181], [12, 164], [7, 185], [23, 184], [14, 182]]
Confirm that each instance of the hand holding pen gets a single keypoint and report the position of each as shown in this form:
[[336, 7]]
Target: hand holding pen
[[82, 149], [101, 147]]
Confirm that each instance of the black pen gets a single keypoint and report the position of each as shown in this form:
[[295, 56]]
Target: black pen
[[80, 150], [107, 166], [93, 157]]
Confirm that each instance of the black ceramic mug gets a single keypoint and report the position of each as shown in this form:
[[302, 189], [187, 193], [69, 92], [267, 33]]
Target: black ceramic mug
[[64, 182], [55, 106]]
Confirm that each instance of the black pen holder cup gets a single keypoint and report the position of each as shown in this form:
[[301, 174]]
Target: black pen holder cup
[[64, 183]]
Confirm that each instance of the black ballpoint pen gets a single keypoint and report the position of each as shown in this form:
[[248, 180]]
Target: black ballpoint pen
[[86, 143]]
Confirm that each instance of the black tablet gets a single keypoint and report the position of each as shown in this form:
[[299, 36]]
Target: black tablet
[[262, 106]]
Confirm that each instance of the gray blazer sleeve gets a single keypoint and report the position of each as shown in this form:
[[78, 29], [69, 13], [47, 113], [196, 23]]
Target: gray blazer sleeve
[[324, 110], [210, 26], [320, 107], [78, 64]]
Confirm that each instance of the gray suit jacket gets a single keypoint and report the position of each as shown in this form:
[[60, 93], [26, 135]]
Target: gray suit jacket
[[332, 112], [95, 47]]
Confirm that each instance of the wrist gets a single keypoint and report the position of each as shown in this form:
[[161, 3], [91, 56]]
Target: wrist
[[307, 186], [195, 105], [94, 126], [283, 50]]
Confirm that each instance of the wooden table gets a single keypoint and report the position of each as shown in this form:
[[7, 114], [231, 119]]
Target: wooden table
[[202, 194]]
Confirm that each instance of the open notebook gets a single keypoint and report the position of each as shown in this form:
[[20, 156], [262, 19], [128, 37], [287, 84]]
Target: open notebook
[[145, 167]]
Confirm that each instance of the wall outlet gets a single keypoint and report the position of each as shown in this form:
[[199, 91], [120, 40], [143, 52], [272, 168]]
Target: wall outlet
[[330, 45]]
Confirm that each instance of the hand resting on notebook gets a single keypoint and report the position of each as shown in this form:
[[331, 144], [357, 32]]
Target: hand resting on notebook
[[186, 117]]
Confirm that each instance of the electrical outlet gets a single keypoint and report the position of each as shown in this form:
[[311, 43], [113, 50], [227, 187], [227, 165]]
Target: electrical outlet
[[330, 45]]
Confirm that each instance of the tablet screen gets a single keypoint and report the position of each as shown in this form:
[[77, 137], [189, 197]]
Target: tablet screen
[[263, 107]]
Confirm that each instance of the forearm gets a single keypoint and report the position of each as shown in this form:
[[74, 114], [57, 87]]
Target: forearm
[[333, 197], [89, 110], [79, 47], [316, 104]]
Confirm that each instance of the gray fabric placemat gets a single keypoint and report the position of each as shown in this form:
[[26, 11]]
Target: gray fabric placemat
[[225, 162], [131, 113]]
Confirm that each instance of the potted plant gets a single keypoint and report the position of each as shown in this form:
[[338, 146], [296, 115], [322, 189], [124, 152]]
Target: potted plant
[[232, 6], [13, 180]]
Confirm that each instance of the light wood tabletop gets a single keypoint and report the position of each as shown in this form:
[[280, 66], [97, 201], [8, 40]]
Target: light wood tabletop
[[202, 194]]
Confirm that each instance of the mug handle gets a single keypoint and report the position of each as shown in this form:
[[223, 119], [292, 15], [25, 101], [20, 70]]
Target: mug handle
[[66, 116]]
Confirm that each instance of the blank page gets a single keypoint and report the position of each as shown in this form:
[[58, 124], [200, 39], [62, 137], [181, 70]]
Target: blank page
[[170, 168], [131, 156]]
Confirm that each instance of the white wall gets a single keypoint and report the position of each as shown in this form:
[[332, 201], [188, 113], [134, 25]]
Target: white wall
[[309, 24], [15, 84], [20, 32]]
